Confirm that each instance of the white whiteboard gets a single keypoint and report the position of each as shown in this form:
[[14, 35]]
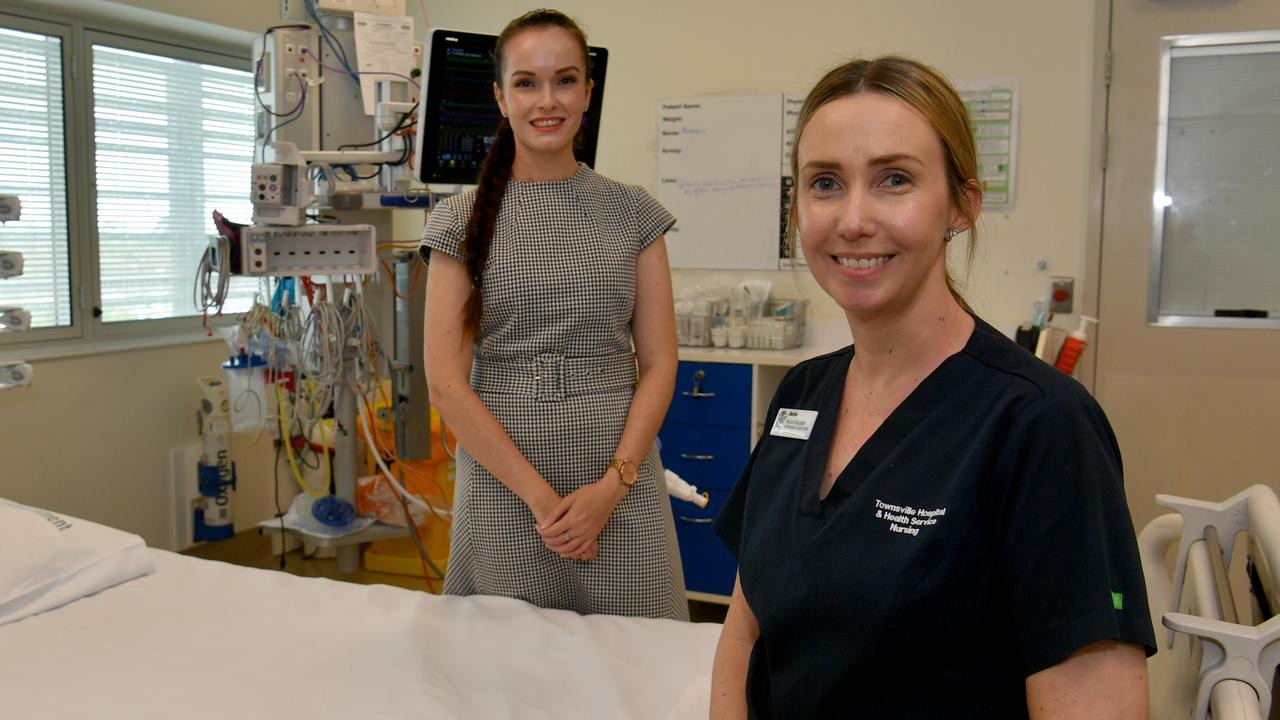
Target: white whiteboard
[[718, 160]]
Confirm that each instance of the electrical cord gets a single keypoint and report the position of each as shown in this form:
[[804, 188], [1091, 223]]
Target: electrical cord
[[361, 335], [275, 494], [355, 75], [335, 45], [400, 125], [296, 113], [408, 496], [417, 542], [213, 278], [286, 438], [322, 346]]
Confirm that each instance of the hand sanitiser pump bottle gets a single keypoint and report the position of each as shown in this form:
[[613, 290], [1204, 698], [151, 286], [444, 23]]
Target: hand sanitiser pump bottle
[[1073, 346]]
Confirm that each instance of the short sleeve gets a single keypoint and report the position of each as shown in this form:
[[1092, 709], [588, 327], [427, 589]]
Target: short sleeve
[[443, 232], [652, 220], [729, 521], [1067, 549]]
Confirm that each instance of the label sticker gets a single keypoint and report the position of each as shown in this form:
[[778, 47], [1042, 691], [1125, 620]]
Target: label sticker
[[794, 423]]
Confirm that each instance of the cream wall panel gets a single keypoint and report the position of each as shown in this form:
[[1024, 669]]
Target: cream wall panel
[[92, 438]]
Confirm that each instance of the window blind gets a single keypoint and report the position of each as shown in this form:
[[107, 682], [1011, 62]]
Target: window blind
[[173, 141], [33, 167]]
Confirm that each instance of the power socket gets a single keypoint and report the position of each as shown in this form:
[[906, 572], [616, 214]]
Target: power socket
[[10, 263]]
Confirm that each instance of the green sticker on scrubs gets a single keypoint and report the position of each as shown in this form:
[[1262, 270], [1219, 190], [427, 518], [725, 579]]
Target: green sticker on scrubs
[[1117, 600]]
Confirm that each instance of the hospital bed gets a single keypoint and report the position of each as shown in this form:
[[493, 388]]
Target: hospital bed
[[1212, 663], [204, 639]]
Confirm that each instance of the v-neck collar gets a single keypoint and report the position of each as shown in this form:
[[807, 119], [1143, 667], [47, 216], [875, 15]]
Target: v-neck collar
[[921, 402]]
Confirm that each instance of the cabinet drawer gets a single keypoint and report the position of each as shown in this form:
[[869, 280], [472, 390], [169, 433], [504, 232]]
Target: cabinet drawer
[[708, 565], [708, 456], [720, 395]]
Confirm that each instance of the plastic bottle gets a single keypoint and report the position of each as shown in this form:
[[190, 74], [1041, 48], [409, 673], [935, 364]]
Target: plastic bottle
[[1073, 346]]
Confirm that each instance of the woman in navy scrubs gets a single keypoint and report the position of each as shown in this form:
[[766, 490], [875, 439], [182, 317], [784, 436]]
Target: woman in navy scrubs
[[935, 525]]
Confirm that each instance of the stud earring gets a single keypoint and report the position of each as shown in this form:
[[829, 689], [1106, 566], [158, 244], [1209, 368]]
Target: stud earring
[[952, 232]]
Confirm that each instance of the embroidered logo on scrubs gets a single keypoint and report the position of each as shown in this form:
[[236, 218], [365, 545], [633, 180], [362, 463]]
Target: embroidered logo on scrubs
[[796, 424], [905, 519]]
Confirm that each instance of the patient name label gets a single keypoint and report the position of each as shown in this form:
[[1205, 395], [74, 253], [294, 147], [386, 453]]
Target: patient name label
[[796, 424]]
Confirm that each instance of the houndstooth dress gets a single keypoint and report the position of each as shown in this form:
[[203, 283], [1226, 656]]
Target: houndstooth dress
[[554, 363]]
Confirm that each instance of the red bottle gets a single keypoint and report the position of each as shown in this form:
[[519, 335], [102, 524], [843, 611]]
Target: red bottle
[[1073, 346]]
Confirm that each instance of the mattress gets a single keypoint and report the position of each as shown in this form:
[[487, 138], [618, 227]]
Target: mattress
[[205, 639]]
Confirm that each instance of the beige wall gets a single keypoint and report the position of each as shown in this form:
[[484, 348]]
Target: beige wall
[[93, 436]]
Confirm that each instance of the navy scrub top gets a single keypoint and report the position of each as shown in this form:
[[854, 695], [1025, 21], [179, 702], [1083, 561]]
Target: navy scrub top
[[979, 536]]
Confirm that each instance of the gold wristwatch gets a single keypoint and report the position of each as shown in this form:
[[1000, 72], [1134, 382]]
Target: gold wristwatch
[[621, 466]]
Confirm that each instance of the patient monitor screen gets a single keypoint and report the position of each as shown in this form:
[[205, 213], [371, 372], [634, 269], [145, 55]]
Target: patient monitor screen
[[458, 115]]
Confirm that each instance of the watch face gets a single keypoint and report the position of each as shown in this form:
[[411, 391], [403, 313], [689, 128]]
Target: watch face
[[628, 478]]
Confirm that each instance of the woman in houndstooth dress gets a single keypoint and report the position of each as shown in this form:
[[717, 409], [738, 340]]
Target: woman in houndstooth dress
[[541, 282]]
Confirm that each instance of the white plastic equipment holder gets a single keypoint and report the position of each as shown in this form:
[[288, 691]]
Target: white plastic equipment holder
[[11, 263], [15, 375], [10, 208], [1231, 652], [14, 319], [308, 250]]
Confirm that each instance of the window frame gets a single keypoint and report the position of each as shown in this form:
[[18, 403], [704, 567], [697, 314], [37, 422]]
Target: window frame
[[71, 114], [1169, 46], [87, 333]]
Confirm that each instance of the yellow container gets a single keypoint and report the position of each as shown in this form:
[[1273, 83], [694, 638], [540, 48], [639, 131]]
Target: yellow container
[[431, 479]]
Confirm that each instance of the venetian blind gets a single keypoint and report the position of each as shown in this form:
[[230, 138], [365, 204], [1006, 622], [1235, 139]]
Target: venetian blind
[[173, 142], [33, 167]]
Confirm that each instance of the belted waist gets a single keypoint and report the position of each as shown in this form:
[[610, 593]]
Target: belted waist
[[551, 378]]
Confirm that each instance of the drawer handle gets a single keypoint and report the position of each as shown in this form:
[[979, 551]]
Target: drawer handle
[[687, 456], [697, 389], [697, 521]]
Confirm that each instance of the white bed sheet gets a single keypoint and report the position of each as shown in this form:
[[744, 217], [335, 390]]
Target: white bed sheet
[[206, 639]]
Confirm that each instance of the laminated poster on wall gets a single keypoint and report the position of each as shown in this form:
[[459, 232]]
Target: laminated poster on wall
[[718, 159], [789, 254], [993, 112]]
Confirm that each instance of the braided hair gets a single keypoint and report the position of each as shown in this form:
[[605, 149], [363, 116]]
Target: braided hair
[[495, 171]]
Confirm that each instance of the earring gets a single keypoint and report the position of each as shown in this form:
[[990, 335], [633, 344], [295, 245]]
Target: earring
[[952, 232]]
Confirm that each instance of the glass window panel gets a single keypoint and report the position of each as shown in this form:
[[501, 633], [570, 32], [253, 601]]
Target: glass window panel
[[33, 167], [173, 142], [1219, 245]]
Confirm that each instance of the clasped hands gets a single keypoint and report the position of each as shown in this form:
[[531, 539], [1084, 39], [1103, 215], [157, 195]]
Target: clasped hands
[[571, 528]]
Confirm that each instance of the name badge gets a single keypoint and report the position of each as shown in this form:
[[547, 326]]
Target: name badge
[[794, 423]]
